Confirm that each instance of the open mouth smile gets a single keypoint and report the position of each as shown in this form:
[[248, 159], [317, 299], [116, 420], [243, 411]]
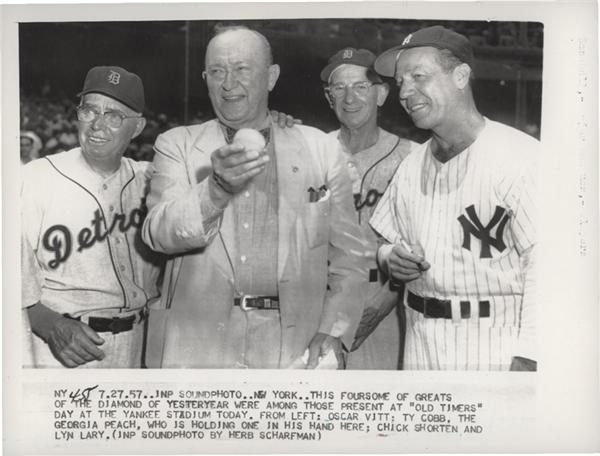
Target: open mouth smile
[[96, 140]]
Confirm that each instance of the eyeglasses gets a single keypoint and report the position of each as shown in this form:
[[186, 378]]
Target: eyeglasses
[[113, 119], [360, 88]]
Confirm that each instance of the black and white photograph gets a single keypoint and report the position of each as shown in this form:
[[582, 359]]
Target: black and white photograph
[[260, 274], [220, 205]]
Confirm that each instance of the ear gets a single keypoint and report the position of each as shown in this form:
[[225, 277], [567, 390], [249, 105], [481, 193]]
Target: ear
[[462, 74], [141, 124], [383, 90], [274, 71], [329, 98]]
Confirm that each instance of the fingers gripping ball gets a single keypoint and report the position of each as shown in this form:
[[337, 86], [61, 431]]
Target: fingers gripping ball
[[251, 139]]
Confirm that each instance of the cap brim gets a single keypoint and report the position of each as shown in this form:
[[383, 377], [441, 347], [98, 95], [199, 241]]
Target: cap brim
[[385, 64], [110, 95], [326, 72]]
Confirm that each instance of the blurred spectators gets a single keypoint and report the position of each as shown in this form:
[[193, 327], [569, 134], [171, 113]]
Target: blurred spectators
[[31, 145]]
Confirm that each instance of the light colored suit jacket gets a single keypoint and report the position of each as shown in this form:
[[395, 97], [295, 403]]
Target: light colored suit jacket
[[322, 267]]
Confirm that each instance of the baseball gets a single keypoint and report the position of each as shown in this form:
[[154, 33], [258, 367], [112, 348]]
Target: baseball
[[250, 139]]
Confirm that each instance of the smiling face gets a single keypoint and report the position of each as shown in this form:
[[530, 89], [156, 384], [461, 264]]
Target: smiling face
[[101, 144], [428, 93], [239, 77], [352, 109]]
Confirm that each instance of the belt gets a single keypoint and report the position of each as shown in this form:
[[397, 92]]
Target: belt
[[113, 325], [442, 308], [373, 275], [248, 302]]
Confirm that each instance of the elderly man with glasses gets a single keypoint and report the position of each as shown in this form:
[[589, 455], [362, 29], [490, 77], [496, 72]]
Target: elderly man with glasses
[[87, 276], [355, 92]]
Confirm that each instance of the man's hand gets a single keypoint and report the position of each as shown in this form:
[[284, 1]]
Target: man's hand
[[234, 166], [284, 120], [523, 364], [404, 266], [320, 345], [72, 342]]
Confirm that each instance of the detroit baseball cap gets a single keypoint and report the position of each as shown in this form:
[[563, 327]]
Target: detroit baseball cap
[[348, 55], [437, 36], [117, 83]]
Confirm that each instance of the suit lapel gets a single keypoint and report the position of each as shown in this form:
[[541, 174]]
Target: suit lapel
[[291, 176]]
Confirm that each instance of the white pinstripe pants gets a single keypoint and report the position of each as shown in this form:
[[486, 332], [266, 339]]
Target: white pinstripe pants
[[467, 344]]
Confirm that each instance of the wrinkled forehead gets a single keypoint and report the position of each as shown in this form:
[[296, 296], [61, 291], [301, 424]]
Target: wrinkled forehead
[[105, 103], [425, 57], [236, 45], [348, 73]]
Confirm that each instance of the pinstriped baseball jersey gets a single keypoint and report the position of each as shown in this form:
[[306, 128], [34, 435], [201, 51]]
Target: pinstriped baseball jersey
[[82, 251], [474, 217]]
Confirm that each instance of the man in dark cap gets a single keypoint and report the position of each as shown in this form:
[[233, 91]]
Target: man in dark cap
[[87, 276], [354, 92], [459, 216]]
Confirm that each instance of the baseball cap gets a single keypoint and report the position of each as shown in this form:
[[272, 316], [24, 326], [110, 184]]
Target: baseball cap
[[117, 83], [350, 56], [437, 36]]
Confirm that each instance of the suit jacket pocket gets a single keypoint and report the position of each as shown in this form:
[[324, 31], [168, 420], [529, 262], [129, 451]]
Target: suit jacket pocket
[[316, 221]]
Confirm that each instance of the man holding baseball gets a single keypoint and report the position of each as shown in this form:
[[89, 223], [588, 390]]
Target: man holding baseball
[[459, 216], [268, 262]]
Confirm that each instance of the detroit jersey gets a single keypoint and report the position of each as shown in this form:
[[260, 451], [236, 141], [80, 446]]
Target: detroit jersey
[[371, 170], [82, 252]]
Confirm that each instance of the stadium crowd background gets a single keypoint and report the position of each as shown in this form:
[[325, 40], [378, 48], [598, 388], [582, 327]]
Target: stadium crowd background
[[507, 86]]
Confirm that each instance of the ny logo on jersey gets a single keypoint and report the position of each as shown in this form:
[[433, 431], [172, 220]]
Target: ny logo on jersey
[[114, 77], [407, 39], [473, 226]]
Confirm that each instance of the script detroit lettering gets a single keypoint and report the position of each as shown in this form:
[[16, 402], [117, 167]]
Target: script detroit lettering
[[59, 240]]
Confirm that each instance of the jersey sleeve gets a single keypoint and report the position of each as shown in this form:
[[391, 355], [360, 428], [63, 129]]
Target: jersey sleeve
[[386, 219], [527, 342], [31, 219], [521, 197], [31, 275]]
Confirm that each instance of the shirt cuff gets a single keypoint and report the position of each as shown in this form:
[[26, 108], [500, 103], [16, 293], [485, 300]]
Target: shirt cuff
[[383, 254]]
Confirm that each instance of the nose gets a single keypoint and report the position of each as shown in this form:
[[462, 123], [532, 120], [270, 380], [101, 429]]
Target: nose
[[230, 81], [349, 94], [406, 89], [98, 123]]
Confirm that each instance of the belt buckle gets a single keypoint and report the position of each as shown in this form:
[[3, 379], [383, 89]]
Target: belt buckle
[[112, 326], [243, 300]]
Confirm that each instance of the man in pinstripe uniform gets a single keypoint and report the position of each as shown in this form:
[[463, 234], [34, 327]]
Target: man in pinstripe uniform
[[460, 217], [355, 91]]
